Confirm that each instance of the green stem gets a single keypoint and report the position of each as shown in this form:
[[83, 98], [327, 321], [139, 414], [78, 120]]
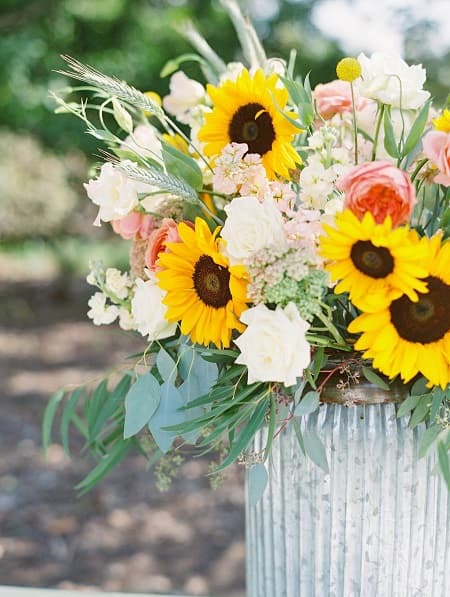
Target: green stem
[[377, 132], [355, 128]]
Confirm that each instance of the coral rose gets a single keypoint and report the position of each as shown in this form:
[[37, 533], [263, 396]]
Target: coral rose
[[436, 146], [336, 97], [168, 232], [380, 188], [135, 226]]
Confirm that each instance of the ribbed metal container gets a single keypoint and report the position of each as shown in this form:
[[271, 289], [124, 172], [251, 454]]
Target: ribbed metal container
[[378, 525]]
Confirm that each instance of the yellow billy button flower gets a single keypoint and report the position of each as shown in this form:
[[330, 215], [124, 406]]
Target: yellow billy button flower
[[153, 97], [442, 122], [348, 69]]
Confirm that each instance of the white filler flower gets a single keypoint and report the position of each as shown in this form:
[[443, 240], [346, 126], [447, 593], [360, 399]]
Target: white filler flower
[[100, 312], [274, 347], [149, 312]]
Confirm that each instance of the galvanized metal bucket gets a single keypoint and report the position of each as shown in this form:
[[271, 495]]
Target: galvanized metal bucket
[[378, 525]]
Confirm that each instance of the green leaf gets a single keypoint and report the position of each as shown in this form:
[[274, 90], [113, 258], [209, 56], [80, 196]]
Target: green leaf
[[140, 403], [182, 165], [68, 412], [438, 397], [444, 462], [95, 404], [166, 366], [271, 427], [115, 400], [247, 434], [308, 404], [167, 414], [428, 437], [49, 417], [408, 405], [420, 412], [417, 129], [390, 143], [106, 464], [173, 65], [374, 378], [256, 483], [419, 387], [315, 449]]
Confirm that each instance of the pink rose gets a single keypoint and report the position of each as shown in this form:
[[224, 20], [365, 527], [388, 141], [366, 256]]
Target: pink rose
[[135, 226], [168, 232], [436, 146], [336, 97], [382, 189]]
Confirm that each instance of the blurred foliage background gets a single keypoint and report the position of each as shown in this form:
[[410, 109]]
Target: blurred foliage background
[[44, 158]]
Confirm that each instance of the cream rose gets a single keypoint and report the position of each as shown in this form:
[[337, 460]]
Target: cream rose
[[185, 95], [274, 347], [148, 311], [250, 226]]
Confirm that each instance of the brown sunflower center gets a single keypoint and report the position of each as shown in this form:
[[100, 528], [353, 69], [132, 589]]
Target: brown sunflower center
[[427, 320], [375, 262], [253, 125], [211, 282]]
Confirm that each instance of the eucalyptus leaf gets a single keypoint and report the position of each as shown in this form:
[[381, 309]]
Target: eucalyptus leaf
[[256, 483], [315, 449], [49, 416], [308, 404], [166, 415], [408, 405], [374, 378], [428, 437], [166, 366], [420, 412], [140, 404], [444, 462]]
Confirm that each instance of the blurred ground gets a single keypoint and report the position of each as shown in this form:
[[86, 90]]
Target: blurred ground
[[125, 535]]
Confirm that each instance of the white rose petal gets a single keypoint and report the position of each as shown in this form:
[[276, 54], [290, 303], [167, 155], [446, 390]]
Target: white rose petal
[[143, 142], [390, 80], [184, 95], [250, 226], [114, 193], [274, 347], [100, 312], [149, 311]]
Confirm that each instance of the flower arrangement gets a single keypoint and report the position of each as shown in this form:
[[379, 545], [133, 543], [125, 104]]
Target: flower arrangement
[[281, 238]]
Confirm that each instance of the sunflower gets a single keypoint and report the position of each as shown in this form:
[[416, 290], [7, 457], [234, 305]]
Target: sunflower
[[203, 292], [406, 338], [248, 110], [374, 263]]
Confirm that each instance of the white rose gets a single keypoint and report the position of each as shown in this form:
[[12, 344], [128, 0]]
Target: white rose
[[388, 79], [117, 283], [143, 142], [149, 311], [100, 312], [250, 226], [274, 347], [114, 193], [184, 95]]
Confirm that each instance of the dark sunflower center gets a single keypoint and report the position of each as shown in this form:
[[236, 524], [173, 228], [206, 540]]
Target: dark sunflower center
[[211, 282], [376, 262], [427, 320], [253, 125]]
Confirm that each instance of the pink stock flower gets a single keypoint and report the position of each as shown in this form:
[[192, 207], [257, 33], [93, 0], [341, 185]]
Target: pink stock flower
[[135, 226], [168, 232], [382, 189], [436, 147], [336, 97]]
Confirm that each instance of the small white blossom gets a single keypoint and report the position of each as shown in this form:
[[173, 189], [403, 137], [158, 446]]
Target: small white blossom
[[100, 312], [116, 283], [126, 319], [185, 94], [143, 142]]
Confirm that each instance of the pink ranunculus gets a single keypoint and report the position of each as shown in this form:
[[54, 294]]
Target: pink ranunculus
[[168, 232], [382, 189], [436, 146], [135, 226], [336, 97]]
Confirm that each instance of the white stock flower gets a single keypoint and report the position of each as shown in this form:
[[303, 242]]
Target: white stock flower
[[250, 226], [117, 283], [390, 80], [185, 94], [143, 142], [273, 346], [114, 193], [126, 319], [100, 312], [149, 312]]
